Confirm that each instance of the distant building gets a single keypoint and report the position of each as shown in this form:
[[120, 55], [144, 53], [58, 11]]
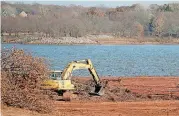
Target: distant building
[[13, 15], [23, 14]]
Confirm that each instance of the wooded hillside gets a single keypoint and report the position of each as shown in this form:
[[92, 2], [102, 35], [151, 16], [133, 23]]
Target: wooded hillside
[[75, 21]]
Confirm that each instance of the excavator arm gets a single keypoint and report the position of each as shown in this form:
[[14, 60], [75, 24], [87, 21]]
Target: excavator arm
[[82, 64]]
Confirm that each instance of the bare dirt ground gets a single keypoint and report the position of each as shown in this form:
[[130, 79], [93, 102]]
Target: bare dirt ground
[[149, 108], [140, 96], [145, 108]]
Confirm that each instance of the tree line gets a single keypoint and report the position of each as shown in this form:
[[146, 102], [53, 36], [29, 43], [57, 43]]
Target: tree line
[[76, 21]]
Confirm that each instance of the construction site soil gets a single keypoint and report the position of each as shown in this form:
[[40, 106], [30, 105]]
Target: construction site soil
[[132, 96]]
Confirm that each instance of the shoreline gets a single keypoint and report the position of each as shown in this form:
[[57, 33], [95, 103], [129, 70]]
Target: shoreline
[[123, 77], [91, 44], [89, 41]]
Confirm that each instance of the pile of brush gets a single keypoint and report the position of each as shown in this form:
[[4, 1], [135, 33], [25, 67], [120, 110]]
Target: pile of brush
[[21, 76]]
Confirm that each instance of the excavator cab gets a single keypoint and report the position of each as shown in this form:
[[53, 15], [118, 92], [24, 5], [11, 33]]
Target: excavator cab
[[55, 82], [55, 75]]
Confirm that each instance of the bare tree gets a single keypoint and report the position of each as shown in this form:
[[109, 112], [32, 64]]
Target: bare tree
[[158, 24]]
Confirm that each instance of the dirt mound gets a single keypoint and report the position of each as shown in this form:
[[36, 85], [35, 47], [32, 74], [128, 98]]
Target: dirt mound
[[112, 92], [21, 76], [127, 89]]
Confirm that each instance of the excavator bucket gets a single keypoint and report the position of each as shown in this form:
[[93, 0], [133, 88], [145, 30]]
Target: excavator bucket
[[97, 90]]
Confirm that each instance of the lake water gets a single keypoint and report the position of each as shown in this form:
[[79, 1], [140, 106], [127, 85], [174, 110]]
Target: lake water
[[112, 60]]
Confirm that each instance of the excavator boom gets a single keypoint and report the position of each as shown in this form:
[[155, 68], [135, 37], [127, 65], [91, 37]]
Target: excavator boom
[[82, 64]]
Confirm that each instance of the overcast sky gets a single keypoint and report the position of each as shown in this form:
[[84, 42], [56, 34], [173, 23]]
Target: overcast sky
[[99, 3]]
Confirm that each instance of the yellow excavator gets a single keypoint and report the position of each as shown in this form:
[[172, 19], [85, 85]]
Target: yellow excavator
[[61, 80]]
